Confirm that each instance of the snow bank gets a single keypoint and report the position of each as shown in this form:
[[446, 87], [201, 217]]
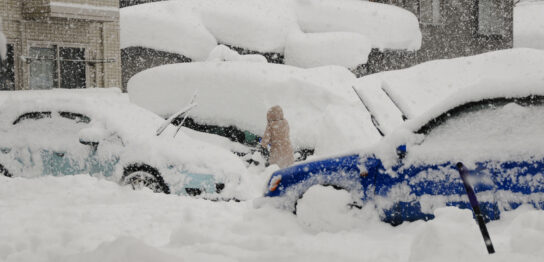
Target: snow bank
[[320, 49], [3, 42], [80, 218], [322, 109], [387, 26], [166, 26], [529, 24], [418, 89]]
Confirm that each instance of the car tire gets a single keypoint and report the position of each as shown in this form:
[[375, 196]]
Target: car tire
[[4, 171], [142, 175]]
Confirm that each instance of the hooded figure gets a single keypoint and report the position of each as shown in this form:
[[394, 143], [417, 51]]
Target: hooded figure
[[277, 135]]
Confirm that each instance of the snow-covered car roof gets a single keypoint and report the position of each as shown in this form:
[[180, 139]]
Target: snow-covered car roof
[[343, 28], [133, 124], [320, 104], [416, 91], [529, 24]]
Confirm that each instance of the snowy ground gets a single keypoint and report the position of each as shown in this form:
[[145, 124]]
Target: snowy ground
[[80, 218]]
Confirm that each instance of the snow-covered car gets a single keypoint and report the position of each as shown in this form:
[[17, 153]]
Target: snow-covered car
[[99, 132], [496, 129]]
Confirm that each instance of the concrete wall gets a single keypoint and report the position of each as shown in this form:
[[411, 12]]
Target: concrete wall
[[99, 38]]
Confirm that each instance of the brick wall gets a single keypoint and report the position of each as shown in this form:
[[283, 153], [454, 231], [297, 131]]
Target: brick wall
[[100, 40]]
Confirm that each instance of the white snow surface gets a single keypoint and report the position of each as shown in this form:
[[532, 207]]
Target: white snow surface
[[81, 218], [193, 28], [529, 24], [322, 109], [387, 26], [427, 88], [321, 49]]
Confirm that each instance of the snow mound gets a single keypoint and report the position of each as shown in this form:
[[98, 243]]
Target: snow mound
[[529, 24], [323, 111], [387, 26], [421, 88], [320, 49]]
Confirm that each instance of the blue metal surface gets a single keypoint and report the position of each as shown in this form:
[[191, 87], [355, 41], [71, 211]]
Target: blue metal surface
[[518, 179]]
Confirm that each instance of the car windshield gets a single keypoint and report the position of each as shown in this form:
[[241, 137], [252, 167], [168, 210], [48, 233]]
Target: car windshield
[[509, 130]]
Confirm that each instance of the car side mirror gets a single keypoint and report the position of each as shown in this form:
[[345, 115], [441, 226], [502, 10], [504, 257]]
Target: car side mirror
[[401, 151], [92, 136]]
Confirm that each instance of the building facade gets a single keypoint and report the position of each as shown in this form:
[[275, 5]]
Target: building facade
[[60, 44]]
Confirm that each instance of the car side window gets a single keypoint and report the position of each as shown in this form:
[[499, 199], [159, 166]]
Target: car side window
[[493, 129], [32, 116]]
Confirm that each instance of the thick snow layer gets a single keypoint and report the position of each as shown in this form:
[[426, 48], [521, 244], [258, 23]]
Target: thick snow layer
[[322, 109], [80, 218], [418, 89], [2, 42], [192, 28], [320, 49], [166, 26], [387, 26], [529, 24]]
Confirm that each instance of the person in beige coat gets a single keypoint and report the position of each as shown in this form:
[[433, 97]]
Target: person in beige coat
[[277, 135]]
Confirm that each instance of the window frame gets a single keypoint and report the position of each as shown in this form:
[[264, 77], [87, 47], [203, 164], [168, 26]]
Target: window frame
[[57, 60], [432, 20]]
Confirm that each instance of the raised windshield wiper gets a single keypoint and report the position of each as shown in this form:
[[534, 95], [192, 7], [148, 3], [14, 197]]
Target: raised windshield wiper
[[372, 118], [404, 118], [173, 117]]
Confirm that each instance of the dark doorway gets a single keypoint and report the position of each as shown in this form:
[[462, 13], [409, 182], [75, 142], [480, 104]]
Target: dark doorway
[[7, 70], [72, 67]]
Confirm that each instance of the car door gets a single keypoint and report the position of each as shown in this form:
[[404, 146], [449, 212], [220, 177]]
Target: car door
[[50, 138]]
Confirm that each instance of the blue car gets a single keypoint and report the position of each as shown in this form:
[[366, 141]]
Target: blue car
[[410, 173], [100, 133]]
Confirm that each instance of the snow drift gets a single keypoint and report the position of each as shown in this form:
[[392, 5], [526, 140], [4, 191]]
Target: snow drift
[[322, 109]]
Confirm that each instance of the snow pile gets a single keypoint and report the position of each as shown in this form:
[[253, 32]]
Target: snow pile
[[80, 218], [418, 89], [319, 49], [529, 24], [387, 26], [322, 109], [3, 42], [193, 28]]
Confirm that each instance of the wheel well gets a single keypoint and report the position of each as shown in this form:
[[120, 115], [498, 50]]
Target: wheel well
[[146, 168], [4, 171], [337, 187]]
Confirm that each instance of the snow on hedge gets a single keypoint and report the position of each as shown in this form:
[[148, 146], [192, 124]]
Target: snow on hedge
[[320, 49], [387, 26], [193, 27], [529, 24], [322, 109], [2, 42], [418, 89]]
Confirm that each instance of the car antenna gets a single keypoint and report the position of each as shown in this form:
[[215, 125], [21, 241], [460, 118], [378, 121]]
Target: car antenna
[[173, 117], [372, 118]]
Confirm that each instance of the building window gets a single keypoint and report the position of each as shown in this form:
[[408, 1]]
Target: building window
[[492, 18], [7, 70], [429, 12], [57, 67]]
